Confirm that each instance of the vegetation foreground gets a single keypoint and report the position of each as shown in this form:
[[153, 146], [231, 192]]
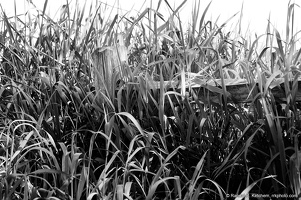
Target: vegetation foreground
[[63, 136]]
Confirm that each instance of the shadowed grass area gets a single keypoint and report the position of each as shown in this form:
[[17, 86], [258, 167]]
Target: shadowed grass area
[[95, 106]]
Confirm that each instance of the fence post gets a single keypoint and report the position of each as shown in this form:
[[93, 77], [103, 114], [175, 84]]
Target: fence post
[[107, 61]]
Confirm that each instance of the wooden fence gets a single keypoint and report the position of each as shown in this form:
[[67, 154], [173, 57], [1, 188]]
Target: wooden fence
[[108, 61]]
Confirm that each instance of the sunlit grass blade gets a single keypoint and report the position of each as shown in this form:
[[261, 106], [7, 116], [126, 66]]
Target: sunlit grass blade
[[247, 190]]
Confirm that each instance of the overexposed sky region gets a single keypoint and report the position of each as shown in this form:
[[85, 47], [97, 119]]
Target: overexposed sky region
[[255, 12]]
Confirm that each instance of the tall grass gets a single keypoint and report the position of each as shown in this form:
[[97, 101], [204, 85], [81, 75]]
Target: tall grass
[[80, 122]]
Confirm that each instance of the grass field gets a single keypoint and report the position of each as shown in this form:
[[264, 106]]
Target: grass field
[[94, 106]]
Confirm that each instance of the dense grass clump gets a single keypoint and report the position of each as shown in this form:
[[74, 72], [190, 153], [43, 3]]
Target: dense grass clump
[[116, 107]]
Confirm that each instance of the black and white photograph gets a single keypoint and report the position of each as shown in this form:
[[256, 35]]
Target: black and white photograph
[[150, 99]]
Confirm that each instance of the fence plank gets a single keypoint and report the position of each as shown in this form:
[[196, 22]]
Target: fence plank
[[239, 90]]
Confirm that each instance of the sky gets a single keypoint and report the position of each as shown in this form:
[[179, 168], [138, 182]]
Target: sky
[[254, 19]]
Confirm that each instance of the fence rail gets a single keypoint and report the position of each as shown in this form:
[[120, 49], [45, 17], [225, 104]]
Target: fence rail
[[238, 91]]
